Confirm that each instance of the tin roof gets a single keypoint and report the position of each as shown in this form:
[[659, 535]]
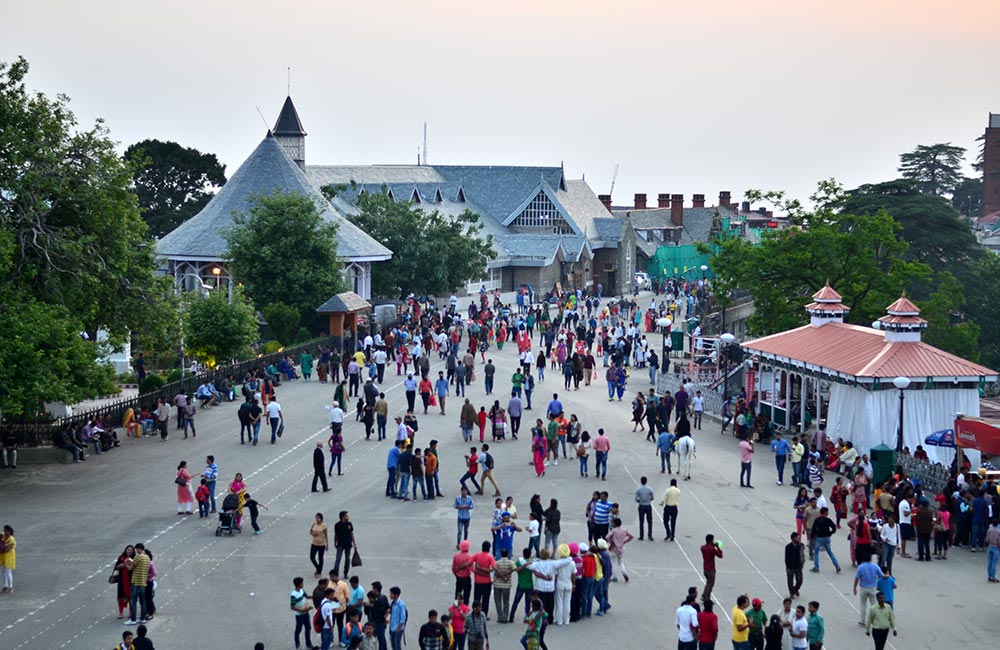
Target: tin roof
[[827, 294], [855, 351]]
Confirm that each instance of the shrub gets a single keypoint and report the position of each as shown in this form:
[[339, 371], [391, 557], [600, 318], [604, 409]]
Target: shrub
[[270, 347], [150, 384], [303, 335], [175, 375]]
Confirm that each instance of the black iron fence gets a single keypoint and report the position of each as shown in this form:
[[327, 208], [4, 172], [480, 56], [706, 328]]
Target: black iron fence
[[40, 432]]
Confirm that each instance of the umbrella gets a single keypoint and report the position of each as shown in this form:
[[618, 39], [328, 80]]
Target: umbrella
[[943, 438]]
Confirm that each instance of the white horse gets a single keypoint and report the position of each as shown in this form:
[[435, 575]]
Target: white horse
[[685, 451]]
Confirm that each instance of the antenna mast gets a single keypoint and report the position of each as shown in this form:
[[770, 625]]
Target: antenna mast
[[614, 177]]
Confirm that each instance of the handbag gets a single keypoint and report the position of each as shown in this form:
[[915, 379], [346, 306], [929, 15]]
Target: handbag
[[433, 400], [281, 429], [356, 559], [114, 577], [180, 481]]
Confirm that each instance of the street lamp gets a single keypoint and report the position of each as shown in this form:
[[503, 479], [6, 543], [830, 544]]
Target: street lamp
[[704, 268], [902, 383], [217, 272], [664, 323], [724, 342]]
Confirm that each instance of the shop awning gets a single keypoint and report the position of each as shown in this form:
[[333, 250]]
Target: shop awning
[[977, 433]]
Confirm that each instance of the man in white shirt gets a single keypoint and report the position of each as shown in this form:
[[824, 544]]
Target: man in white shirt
[[800, 629], [336, 417], [687, 625], [905, 525], [326, 612], [380, 357], [275, 417]]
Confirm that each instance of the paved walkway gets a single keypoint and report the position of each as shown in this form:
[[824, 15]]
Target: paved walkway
[[72, 521]]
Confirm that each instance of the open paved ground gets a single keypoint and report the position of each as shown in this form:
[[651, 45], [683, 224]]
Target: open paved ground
[[73, 520]]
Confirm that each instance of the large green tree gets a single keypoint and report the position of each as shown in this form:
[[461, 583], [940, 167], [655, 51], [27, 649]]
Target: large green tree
[[936, 234], [78, 255], [218, 329], [283, 250], [861, 256], [936, 168], [432, 254], [983, 292], [947, 326], [172, 183]]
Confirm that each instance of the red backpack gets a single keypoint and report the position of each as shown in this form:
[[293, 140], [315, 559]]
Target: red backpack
[[318, 621]]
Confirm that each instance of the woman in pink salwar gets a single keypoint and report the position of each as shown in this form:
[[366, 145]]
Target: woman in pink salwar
[[538, 448]]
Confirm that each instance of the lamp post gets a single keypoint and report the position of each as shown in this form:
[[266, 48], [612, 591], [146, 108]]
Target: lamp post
[[217, 272], [205, 289], [664, 323], [902, 383]]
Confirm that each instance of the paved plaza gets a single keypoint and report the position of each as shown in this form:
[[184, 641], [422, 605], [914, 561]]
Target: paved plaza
[[72, 521]]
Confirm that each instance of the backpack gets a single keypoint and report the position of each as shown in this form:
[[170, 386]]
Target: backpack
[[244, 412], [318, 622], [489, 460]]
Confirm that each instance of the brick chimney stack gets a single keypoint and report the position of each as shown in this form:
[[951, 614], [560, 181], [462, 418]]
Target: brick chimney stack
[[663, 201], [640, 201], [724, 199], [745, 206], [677, 209], [606, 200], [698, 200]]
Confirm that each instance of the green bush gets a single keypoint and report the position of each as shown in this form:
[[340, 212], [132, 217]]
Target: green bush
[[270, 347], [282, 322], [150, 383], [127, 378], [303, 335], [175, 375]]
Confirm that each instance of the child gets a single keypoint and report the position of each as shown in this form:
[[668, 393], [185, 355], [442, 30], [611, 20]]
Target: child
[[887, 585], [202, 496], [815, 472], [252, 506], [446, 622], [361, 410]]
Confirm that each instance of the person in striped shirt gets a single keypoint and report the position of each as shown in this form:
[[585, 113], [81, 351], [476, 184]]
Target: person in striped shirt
[[602, 516]]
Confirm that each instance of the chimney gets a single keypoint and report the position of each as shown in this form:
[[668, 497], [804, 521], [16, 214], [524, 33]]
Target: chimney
[[762, 211], [677, 209], [663, 201], [745, 206], [770, 214], [724, 200], [606, 200], [640, 201], [698, 200]]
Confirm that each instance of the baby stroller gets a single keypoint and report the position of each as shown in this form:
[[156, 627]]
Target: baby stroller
[[227, 516]]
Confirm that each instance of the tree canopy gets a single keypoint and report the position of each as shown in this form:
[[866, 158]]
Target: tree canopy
[[936, 168], [283, 250], [172, 183], [432, 254], [861, 256], [218, 329], [76, 254], [936, 234]]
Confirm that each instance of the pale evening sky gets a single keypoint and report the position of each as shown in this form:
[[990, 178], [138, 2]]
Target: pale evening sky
[[687, 96]]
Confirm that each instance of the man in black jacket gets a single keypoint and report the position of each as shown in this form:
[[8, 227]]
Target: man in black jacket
[[795, 560], [822, 531], [318, 473]]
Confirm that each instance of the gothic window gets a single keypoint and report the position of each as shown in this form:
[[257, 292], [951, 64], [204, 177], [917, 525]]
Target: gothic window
[[542, 214]]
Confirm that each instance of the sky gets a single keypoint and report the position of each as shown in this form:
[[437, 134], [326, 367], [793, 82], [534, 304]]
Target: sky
[[682, 96]]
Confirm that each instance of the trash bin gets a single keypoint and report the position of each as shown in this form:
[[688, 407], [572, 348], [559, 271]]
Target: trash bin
[[677, 341], [883, 460]]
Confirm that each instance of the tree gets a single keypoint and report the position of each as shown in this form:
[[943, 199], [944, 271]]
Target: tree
[[983, 292], [284, 251], [218, 329], [172, 183], [968, 197], [76, 255], [947, 327], [936, 168], [282, 322], [937, 236], [432, 254], [861, 257]]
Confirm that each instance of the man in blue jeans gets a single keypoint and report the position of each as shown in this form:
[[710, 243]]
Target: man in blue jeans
[[326, 613], [781, 450], [275, 417], [139, 568], [397, 618], [822, 532]]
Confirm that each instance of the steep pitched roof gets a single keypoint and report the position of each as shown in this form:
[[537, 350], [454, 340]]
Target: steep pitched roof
[[340, 303], [288, 120], [266, 170]]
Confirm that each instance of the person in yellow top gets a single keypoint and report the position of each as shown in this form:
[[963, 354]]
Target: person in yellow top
[[8, 559], [741, 626], [670, 499]]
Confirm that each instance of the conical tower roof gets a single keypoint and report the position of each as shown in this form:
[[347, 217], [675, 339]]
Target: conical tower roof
[[288, 120]]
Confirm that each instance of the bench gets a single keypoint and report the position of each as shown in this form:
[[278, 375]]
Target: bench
[[43, 455]]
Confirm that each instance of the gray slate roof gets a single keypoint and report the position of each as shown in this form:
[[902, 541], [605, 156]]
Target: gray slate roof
[[343, 302], [288, 120], [266, 170], [697, 221]]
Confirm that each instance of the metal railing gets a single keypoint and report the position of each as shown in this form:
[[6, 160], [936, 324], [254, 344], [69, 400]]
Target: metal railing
[[39, 433]]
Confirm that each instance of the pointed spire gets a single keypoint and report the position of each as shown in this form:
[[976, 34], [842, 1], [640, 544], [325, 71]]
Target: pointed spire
[[288, 120]]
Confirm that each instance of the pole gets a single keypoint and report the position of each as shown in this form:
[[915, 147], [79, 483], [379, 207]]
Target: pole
[[725, 386], [899, 433]]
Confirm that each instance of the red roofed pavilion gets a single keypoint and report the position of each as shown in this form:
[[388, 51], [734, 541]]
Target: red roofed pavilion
[[842, 374]]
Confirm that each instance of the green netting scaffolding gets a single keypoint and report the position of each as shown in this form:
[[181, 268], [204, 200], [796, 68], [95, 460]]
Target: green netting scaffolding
[[678, 261]]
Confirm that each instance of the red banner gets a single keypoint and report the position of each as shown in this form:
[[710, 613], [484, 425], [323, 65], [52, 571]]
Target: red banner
[[977, 433]]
